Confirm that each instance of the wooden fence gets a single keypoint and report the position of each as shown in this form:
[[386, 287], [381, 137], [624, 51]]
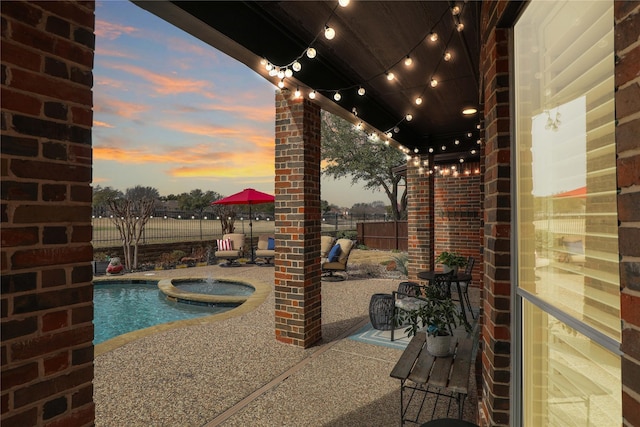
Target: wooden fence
[[385, 235]]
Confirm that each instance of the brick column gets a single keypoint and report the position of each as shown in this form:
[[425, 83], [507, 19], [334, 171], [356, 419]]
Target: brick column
[[496, 333], [298, 308], [627, 83], [420, 216], [47, 308]]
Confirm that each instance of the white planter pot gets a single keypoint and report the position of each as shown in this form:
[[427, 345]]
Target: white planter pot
[[439, 346]]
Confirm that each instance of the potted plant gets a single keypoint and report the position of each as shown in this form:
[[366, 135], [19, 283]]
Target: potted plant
[[451, 261], [100, 263], [437, 317]]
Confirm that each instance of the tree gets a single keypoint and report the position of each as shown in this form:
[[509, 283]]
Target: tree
[[130, 215], [197, 200], [347, 151], [101, 197]]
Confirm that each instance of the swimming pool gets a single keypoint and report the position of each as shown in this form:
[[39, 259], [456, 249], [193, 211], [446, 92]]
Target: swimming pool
[[122, 306]]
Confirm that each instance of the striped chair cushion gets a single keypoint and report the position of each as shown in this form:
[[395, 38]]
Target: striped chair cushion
[[225, 245]]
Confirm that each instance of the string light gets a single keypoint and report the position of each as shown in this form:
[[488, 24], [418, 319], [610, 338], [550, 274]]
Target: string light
[[329, 33], [297, 92], [287, 70]]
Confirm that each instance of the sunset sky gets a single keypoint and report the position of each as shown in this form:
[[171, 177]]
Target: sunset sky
[[173, 113]]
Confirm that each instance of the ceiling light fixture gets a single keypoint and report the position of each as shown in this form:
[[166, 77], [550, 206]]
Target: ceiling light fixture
[[469, 111], [343, 3]]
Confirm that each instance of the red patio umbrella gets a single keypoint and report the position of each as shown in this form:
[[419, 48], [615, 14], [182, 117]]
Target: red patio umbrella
[[248, 196]]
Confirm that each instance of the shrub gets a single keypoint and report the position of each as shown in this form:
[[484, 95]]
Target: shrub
[[347, 234], [402, 263]]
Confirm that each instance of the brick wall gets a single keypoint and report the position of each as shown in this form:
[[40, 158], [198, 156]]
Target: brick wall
[[495, 405], [458, 218], [47, 331], [627, 83], [298, 308]]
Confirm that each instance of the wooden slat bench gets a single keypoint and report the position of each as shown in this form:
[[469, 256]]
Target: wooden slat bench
[[419, 371]]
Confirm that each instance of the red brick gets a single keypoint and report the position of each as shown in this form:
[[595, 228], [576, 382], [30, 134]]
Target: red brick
[[20, 102], [627, 101], [15, 376], [55, 320], [47, 344], [629, 170], [57, 363]]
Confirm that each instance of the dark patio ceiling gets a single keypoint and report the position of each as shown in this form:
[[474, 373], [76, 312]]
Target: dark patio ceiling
[[372, 39]]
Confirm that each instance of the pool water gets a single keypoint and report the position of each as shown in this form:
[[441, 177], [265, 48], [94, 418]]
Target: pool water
[[213, 287], [123, 306]]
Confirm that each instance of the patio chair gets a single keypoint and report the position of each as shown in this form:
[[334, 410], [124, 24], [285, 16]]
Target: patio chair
[[230, 248], [266, 248], [409, 296], [464, 286], [326, 243], [336, 261]]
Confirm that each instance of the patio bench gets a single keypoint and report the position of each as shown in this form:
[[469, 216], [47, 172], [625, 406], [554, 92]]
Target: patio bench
[[448, 376]]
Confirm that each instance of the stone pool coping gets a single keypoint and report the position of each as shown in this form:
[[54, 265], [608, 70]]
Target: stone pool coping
[[250, 303]]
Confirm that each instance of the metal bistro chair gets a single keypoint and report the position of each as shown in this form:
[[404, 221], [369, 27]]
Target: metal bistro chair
[[410, 296], [464, 286]]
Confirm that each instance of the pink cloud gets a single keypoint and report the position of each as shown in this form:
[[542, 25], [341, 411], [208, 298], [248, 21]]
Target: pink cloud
[[128, 110], [100, 51], [111, 31], [166, 85]]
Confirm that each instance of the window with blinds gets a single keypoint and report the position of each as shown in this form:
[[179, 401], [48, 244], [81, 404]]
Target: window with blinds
[[567, 252]]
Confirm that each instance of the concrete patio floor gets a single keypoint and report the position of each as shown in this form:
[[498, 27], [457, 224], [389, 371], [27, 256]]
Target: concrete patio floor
[[229, 370]]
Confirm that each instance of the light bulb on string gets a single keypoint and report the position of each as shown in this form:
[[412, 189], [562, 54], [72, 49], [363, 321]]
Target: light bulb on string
[[389, 134], [311, 53], [457, 142], [431, 149], [386, 142], [281, 84], [312, 95], [297, 92], [408, 117], [329, 33], [415, 150], [280, 73], [444, 148], [337, 96], [408, 61], [473, 151], [343, 3], [273, 72], [433, 82], [433, 36], [396, 129], [455, 10], [460, 27], [418, 100], [361, 91], [390, 76], [296, 66], [447, 56], [461, 160], [288, 72], [268, 66]]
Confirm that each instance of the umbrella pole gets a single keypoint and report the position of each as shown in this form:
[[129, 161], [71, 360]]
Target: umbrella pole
[[253, 261]]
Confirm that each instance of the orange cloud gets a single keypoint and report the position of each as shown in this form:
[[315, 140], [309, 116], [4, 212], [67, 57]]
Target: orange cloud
[[128, 110], [100, 51], [111, 31], [254, 113], [166, 85], [211, 131], [97, 123]]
